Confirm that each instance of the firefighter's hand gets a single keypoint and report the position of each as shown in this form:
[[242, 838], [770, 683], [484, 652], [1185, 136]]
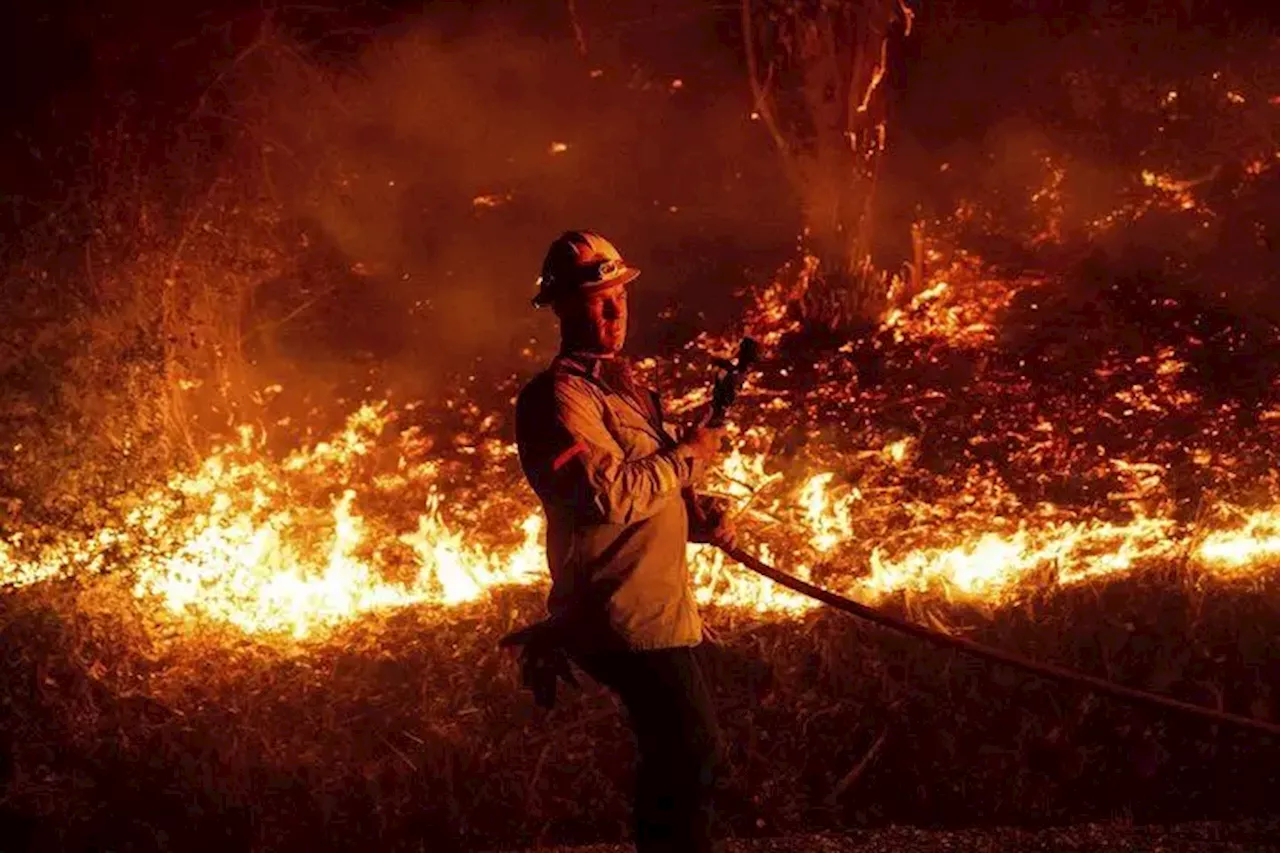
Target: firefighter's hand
[[703, 442], [722, 533], [710, 521], [543, 660]]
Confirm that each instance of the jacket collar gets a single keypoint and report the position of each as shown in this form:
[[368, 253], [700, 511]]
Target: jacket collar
[[587, 363]]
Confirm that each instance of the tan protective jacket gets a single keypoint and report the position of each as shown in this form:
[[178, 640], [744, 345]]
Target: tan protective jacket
[[610, 479]]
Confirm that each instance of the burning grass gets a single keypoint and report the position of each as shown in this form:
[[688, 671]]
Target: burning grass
[[860, 466], [291, 641], [294, 643], [409, 728]]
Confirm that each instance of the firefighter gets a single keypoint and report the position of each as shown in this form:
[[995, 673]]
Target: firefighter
[[617, 489]]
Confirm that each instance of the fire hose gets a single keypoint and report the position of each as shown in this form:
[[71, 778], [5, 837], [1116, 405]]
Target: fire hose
[[990, 653], [723, 395], [544, 662]]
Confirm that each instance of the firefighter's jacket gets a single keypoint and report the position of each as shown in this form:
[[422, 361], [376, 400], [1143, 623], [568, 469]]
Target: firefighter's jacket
[[610, 478]]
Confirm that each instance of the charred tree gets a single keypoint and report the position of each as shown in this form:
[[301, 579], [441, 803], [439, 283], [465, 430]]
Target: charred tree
[[816, 69]]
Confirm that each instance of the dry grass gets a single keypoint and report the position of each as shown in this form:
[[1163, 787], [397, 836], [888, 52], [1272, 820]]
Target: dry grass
[[410, 731], [1203, 837]]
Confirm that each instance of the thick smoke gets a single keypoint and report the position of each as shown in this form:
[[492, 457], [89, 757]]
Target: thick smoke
[[1145, 137], [426, 180]]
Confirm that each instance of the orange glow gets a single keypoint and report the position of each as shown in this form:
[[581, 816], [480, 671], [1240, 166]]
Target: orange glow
[[373, 518]]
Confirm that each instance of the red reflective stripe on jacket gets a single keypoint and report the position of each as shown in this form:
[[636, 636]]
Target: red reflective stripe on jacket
[[563, 459]]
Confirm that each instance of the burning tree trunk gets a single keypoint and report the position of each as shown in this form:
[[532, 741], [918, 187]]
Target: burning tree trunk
[[815, 68]]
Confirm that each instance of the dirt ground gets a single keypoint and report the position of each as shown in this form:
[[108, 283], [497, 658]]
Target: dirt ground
[[1205, 837]]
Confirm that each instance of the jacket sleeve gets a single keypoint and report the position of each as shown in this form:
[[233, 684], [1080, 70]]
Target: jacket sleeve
[[585, 468]]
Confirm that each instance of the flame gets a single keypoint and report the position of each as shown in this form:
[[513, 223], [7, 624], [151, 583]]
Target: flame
[[830, 520], [961, 306], [373, 518], [233, 541], [465, 573], [990, 564], [1240, 550]]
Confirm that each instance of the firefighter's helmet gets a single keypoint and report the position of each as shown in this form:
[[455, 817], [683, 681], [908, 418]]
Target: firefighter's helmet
[[580, 261]]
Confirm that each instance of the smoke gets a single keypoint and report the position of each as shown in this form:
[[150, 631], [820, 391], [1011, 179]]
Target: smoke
[[1146, 140], [419, 176], [424, 181]]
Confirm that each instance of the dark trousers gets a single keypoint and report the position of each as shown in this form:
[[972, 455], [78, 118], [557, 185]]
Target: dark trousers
[[670, 711]]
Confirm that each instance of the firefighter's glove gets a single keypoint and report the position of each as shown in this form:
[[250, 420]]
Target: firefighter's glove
[[710, 521], [543, 660]]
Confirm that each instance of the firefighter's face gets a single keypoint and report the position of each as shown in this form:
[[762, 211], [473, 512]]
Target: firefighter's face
[[596, 320]]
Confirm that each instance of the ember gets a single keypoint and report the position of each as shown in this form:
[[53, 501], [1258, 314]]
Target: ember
[[267, 545], [266, 298]]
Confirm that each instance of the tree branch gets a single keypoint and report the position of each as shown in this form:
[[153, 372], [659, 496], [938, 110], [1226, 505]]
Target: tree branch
[[759, 93], [578, 35]]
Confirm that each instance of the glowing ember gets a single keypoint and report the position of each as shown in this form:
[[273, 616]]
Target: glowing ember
[[491, 200], [375, 517], [1179, 191]]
